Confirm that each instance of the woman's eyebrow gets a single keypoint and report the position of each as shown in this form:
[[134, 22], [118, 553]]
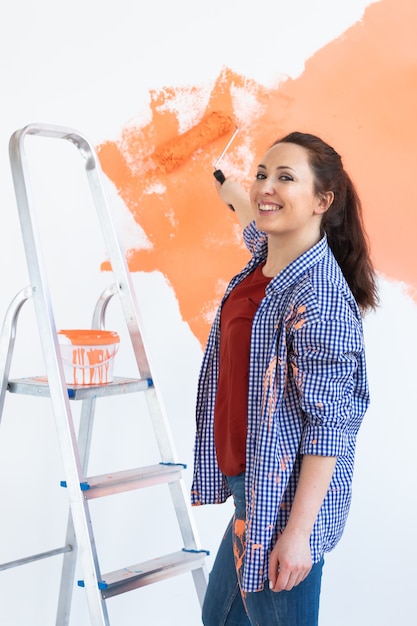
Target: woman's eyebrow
[[279, 167]]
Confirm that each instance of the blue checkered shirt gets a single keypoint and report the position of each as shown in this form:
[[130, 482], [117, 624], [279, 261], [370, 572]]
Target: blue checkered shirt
[[308, 393]]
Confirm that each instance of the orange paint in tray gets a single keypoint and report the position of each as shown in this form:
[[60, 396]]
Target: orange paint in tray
[[88, 356]]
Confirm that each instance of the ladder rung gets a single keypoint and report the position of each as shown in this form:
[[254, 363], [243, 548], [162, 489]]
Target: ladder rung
[[149, 572], [35, 557], [128, 480], [38, 386]]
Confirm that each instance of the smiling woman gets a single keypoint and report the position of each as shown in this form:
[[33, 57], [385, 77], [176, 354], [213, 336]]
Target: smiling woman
[[283, 387], [338, 207], [286, 204], [132, 75]]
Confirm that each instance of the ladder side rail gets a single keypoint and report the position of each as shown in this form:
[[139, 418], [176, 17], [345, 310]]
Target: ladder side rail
[[119, 267], [68, 568], [129, 306], [114, 247], [70, 559], [186, 522], [7, 340], [120, 271], [54, 369], [189, 533], [179, 494], [85, 433], [200, 578]]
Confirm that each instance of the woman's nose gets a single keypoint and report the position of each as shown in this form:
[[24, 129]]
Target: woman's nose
[[266, 187]]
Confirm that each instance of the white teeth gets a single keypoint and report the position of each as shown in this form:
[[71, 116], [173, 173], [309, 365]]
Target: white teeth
[[269, 207]]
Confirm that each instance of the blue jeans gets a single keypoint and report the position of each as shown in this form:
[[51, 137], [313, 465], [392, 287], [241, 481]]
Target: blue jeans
[[223, 603]]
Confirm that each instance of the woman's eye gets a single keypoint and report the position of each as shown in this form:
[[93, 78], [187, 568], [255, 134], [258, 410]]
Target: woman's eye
[[260, 176], [286, 177]]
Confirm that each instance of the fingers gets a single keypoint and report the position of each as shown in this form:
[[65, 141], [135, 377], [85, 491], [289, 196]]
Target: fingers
[[285, 579], [273, 570]]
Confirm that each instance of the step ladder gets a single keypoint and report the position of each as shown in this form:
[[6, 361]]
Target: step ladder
[[79, 546]]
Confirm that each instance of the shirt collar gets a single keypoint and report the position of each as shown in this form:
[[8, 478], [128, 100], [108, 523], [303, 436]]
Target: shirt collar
[[292, 272]]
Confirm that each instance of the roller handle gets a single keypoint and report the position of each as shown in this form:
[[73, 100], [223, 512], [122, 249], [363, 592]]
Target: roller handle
[[219, 176]]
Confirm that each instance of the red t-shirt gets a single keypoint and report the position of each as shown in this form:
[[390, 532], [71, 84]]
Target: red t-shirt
[[231, 408]]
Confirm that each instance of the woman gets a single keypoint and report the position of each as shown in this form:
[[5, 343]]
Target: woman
[[283, 387]]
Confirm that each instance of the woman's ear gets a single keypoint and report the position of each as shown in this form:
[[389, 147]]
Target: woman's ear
[[325, 200]]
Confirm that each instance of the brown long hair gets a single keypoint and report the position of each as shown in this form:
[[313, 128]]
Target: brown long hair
[[342, 222]]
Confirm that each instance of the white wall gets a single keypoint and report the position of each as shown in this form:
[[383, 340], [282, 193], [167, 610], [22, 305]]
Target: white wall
[[91, 66]]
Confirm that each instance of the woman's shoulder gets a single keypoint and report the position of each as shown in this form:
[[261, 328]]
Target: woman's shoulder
[[323, 291]]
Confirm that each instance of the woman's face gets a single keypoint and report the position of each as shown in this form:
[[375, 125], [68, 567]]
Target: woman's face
[[283, 195]]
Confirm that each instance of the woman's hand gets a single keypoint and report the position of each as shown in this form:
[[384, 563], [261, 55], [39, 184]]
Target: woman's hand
[[232, 193], [290, 561]]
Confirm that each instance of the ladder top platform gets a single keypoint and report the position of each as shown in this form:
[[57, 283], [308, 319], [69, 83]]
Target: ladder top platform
[[38, 386]]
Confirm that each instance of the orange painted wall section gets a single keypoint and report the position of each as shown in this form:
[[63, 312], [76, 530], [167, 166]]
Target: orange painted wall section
[[359, 93]]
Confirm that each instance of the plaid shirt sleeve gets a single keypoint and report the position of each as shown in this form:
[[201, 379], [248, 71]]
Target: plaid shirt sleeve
[[324, 364]]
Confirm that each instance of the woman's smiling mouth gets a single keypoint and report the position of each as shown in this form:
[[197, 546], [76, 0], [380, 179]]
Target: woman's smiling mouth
[[266, 206]]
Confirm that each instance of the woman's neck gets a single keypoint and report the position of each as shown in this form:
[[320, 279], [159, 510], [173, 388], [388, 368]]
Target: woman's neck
[[283, 251]]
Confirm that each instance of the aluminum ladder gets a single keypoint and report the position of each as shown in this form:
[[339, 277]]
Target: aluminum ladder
[[79, 544]]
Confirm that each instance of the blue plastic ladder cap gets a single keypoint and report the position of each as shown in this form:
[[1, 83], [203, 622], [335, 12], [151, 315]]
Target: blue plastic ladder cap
[[101, 584], [183, 465], [207, 552], [83, 486]]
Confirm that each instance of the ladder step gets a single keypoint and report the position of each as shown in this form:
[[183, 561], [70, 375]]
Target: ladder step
[[148, 572], [128, 480], [38, 386]]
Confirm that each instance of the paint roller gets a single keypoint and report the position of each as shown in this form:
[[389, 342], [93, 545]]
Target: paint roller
[[176, 151], [218, 174]]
